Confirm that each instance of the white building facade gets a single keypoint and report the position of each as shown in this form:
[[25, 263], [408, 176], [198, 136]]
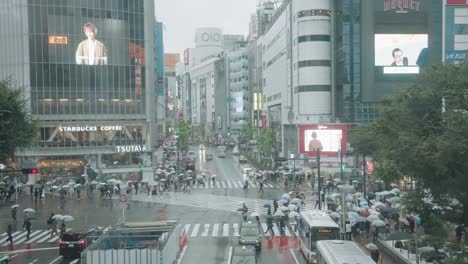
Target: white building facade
[[296, 75]]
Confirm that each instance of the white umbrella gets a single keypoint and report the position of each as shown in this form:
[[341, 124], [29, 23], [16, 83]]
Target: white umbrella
[[353, 214], [283, 208], [378, 223], [373, 218], [93, 182], [57, 217], [426, 249], [254, 214], [358, 194], [189, 171], [15, 206], [394, 185], [296, 201], [68, 218], [112, 180], [213, 176], [372, 246], [78, 185], [293, 214], [49, 182], [279, 213], [292, 207], [55, 187], [66, 186], [395, 190], [29, 210], [334, 215], [286, 196]]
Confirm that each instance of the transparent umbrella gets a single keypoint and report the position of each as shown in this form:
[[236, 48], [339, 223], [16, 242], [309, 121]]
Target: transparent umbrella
[[372, 246], [68, 218]]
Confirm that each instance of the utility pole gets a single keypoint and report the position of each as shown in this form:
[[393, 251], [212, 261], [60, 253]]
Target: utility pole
[[341, 166], [319, 180], [364, 175]]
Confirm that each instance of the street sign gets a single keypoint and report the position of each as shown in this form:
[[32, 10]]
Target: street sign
[[123, 198], [455, 56]]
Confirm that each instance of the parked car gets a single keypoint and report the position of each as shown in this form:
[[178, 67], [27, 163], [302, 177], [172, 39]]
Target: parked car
[[72, 243], [242, 159], [249, 234], [235, 151]]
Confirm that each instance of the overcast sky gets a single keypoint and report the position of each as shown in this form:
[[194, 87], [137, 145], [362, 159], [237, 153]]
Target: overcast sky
[[181, 17]]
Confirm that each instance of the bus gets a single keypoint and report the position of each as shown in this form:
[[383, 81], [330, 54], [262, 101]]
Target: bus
[[339, 252], [313, 226]]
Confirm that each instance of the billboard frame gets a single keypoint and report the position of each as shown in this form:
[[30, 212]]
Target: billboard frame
[[344, 139]]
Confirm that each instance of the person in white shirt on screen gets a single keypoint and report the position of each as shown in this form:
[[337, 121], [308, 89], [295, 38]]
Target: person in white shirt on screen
[[91, 51], [398, 58], [314, 143]]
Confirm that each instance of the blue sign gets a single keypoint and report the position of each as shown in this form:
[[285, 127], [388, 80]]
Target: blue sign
[[452, 57]]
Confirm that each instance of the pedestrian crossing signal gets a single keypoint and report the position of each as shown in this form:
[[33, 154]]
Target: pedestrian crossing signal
[[30, 171]]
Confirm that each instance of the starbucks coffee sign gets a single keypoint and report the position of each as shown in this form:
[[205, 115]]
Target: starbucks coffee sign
[[89, 128], [131, 148]]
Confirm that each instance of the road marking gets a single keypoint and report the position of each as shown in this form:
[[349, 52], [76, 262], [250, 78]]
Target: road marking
[[228, 184], [269, 185], [234, 183], [24, 238], [43, 239], [286, 231], [230, 255], [57, 259], [75, 261], [57, 237], [214, 233], [195, 230], [27, 250], [226, 230], [224, 185], [206, 227], [275, 229], [13, 235], [181, 255], [264, 227], [38, 236], [236, 229], [34, 261], [217, 184], [294, 256], [187, 227]]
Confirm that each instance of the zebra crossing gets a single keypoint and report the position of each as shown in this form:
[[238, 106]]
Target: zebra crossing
[[226, 230], [215, 202], [232, 185], [36, 236]]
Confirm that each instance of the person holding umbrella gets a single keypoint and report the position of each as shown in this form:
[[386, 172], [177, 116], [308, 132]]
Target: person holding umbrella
[[269, 222], [27, 226], [9, 234], [261, 187], [275, 206], [244, 210], [13, 212], [63, 229]]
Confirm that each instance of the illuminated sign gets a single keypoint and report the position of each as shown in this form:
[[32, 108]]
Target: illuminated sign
[[457, 2], [58, 40], [325, 230], [132, 148], [400, 70], [401, 5], [90, 128]]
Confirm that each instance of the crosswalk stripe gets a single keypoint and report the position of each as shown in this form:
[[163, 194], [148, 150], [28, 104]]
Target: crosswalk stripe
[[228, 184], [236, 229], [240, 184], [206, 228], [255, 184], [286, 231], [264, 227], [24, 238], [234, 184], [38, 236], [13, 235], [224, 184], [275, 229], [16, 238], [187, 227], [195, 230], [44, 239], [225, 230], [270, 185], [217, 184], [214, 233]]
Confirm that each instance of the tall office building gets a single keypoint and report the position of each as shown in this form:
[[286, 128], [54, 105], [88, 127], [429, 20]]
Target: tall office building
[[87, 69]]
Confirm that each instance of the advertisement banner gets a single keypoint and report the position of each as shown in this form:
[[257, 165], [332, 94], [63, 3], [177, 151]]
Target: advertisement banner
[[330, 139], [457, 2]]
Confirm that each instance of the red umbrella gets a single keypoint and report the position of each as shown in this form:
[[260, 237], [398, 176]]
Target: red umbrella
[[364, 213]]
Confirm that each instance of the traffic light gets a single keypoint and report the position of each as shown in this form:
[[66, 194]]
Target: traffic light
[[30, 171], [141, 167], [343, 167]]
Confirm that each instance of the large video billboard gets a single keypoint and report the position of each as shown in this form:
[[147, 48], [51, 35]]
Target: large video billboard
[[329, 139]]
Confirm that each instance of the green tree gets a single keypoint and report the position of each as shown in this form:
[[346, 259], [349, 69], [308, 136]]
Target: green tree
[[184, 134], [16, 124], [247, 133], [415, 138], [265, 141]]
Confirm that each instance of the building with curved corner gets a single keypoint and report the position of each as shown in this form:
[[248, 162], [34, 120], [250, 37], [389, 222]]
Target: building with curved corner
[[87, 69]]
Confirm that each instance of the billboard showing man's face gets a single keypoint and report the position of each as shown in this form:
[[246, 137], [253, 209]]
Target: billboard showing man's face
[[399, 49], [329, 139], [91, 51]]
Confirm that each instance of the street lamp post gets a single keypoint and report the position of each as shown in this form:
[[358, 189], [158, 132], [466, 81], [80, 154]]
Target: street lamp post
[[319, 180], [364, 175]]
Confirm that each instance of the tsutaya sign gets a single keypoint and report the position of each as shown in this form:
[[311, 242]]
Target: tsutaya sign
[[89, 128], [131, 148]]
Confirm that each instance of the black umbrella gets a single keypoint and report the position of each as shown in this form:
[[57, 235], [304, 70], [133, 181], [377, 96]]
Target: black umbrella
[[398, 236], [267, 205]]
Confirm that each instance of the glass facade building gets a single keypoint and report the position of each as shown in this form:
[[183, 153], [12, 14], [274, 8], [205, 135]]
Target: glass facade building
[[88, 68]]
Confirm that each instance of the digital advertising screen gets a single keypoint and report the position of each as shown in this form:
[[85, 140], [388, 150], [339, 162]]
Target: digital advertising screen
[[400, 53], [330, 139]]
